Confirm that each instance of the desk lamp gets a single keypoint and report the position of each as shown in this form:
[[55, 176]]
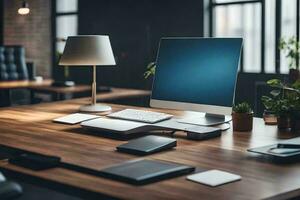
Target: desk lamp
[[89, 50]]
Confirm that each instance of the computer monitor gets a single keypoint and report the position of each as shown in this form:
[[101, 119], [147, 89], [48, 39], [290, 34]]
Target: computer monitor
[[197, 74]]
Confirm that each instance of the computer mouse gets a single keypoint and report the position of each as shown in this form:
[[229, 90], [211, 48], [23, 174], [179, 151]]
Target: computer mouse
[[2, 178], [10, 190]]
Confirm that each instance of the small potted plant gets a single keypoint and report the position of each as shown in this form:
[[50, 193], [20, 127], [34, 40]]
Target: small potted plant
[[242, 117], [278, 103], [291, 47], [283, 114], [284, 102]]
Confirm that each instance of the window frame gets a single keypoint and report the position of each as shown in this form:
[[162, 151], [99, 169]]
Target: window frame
[[1, 20], [54, 16], [278, 15]]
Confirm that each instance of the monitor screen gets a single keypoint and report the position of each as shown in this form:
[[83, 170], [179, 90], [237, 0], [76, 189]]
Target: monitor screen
[[197, 70]]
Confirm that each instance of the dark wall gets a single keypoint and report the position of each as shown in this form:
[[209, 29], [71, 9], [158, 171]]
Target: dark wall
[[2, 21], [135, 27], [32, 31]]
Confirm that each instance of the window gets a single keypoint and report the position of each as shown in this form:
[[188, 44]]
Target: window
[[288, 29], [261, 23], [241, 20], [66, 21]]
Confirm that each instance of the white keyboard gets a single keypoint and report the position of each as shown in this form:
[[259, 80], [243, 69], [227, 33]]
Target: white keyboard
[[140, 115]]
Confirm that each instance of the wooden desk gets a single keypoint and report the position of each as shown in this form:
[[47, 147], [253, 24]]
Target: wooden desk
[[59, 93], [6, 86], [24, 84], [44, 87], [30, 128]]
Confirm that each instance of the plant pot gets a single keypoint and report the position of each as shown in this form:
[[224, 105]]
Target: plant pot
[[294, 75], [270, 117], [283, 122], [295, 121], [242, 121], [295, 125]]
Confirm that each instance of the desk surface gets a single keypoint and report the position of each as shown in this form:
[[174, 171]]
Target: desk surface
[[24, 84], [44, 86], [30, 128]]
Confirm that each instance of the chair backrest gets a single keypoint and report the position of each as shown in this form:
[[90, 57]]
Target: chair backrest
[[12, 63]]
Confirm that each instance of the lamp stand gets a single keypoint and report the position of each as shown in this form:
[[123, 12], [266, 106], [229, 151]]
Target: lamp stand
[[94, 107]]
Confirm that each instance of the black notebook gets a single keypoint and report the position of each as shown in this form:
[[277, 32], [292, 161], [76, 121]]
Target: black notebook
[[147, 145], [140, 172]]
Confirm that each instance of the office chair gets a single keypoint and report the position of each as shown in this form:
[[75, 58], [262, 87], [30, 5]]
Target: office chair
[[13, 67], [12, 63]]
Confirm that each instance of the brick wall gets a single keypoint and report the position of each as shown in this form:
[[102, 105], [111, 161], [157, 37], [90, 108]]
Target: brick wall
[[33, 31]]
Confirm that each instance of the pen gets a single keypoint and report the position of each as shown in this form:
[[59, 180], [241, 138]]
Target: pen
[[288, 146]]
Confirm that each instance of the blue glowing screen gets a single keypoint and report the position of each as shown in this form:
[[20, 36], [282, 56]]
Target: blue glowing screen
[[197, 70]]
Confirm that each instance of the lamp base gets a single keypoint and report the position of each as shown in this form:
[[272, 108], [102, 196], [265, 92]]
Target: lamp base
[[95, 108]]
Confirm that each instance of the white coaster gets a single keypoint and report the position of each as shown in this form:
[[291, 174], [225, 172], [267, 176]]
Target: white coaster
[[214, 177], [75, 118]]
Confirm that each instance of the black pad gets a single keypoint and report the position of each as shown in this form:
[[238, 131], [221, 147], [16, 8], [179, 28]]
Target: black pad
[[141, 172], [8, 152], [35, 161], [147, 145]]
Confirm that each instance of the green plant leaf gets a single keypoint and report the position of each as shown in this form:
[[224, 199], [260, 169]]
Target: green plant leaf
[[286, 103], [242, 108], [268, 103], [296, 85], [290, 46], [275, 83], [150, 70], [275, 93]]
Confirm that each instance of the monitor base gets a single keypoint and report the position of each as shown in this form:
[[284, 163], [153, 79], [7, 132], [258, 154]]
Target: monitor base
[[211, 119], [206, 120]]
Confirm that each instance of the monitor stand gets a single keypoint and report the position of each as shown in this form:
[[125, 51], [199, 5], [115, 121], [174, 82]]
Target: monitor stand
[[207, 120], [212, 119]]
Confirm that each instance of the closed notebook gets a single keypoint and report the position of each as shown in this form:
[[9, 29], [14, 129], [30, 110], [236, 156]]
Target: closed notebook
[[147, 145], [75, 118], [139, 172]]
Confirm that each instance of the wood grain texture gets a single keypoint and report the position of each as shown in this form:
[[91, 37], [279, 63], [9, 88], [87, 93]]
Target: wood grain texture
[[31, 128], [24, 84]]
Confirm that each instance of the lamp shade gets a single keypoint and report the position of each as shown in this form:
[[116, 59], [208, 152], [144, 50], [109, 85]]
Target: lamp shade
[[87, 50]]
